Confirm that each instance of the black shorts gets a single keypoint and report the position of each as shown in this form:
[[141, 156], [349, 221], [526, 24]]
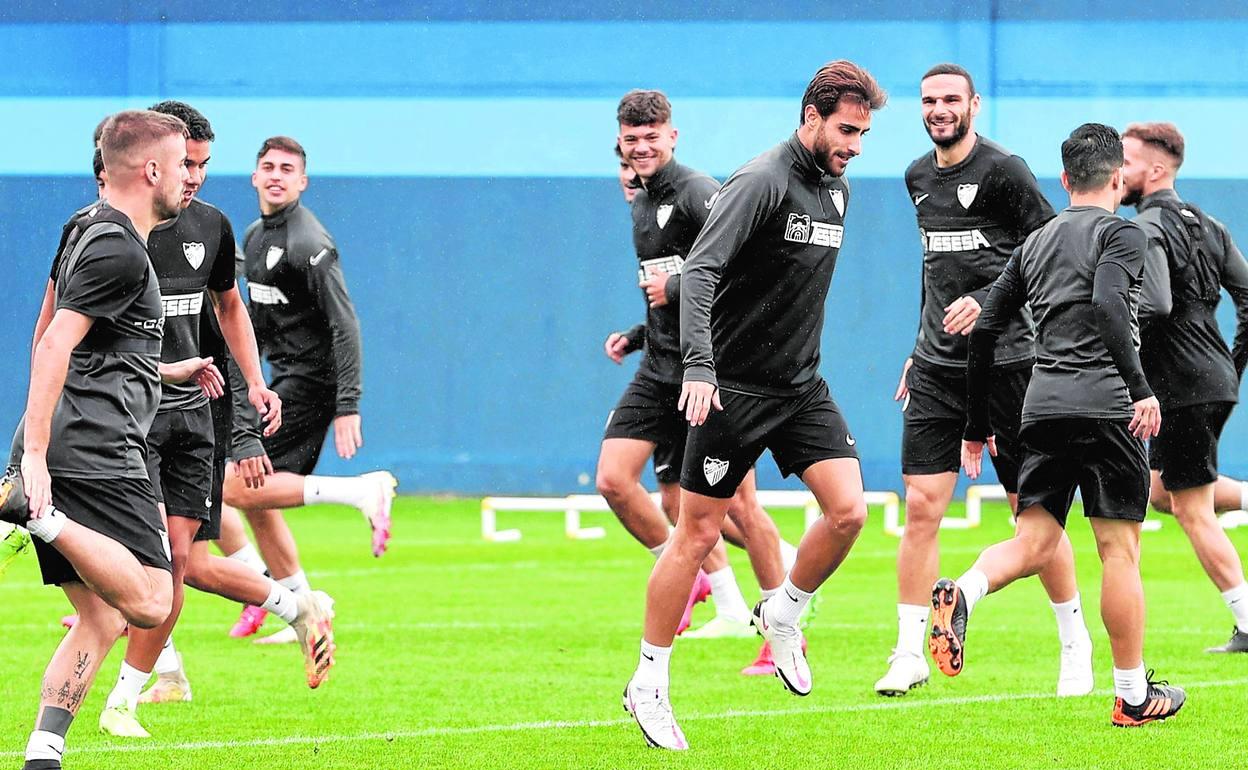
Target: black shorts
[[934, 417], [296, 446], [647, 412], [1186, 449], [123, 509], [210, 529], [1100, 458], [799, 430], [180, 451]]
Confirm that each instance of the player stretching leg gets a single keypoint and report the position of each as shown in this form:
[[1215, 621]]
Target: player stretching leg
[[753, 293], [1088, 410], [975, 201], [1196, 376]]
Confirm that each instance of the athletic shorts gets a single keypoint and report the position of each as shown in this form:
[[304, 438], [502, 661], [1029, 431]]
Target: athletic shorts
[[180, 452], [647, 412], [210, 529], [1100, 458], [934, 417], [123, 509], [799, 430], [296, 446], [1186, 449]]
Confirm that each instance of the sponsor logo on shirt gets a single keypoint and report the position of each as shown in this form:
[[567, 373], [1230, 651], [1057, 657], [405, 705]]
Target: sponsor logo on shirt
[[182, 304], [920, 198], [714, 470], [266, 295], [194, 254], [272, 256], [662, 214], [801, 229], [671, 265], [944, 241], [151, 323]]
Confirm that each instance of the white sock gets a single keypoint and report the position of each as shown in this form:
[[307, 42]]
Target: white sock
[[1243, 495], [652, 665], [1131, 684], [1070, 626], [130, 683], [1237, 600], [658, 549], [297, 582], [45, 745], [282, 601], [788, 554], [727, 595], [249, 556], [911, 628], [168, 662], [46, 528], [767, 593], [346, 490], [974, 585], [785, 607]]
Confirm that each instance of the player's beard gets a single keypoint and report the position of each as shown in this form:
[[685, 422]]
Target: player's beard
[[823, 153], [960, 129], [169, 204], [1131, 196]]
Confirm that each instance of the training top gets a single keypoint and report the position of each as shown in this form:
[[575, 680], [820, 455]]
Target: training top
[[304, 320], [1082, 273], [668, 213], [112, 386], [192, 252], [1185, 355], [971, 217], [754, 285]]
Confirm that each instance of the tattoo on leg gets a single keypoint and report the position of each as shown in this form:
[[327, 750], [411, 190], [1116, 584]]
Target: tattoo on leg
[[84, 660], [75, 700], [46, 692], [63, 693]]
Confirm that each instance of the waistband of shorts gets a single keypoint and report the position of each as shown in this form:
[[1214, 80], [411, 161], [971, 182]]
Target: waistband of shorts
[[122, 345]]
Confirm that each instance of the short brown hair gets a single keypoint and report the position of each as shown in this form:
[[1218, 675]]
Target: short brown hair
[[1163, 136], [131, 131], [841, 80], [643, 108], [283, 143]]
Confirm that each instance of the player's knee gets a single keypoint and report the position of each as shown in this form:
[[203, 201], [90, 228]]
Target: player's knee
[[612, 484], [1160, 499], [924, 511], [847, 518], [105, 621]]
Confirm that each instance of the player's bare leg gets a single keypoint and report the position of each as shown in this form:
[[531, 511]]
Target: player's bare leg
[[1194, 510], [619, 481], [234, 544]]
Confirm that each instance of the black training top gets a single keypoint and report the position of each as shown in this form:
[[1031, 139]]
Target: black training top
[[754, 285], [304, 320], [1081, 273], [971, 217], [1184, 355], [112, 386], [668, 214], [192, 253]]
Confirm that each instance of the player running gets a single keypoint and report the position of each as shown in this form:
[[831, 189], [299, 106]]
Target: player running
[[753, 292], [1196, 377], [1087, 412], [668, 211], [974, 201]]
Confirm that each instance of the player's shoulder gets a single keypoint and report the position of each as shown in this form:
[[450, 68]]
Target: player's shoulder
[[307, 240], [771, 168], [696, 188], [207, 214], [998, 158], [920, 168]]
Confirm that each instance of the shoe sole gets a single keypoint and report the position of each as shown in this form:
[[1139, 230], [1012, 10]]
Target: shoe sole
[[1142, 722], [945, 646], [897, 693]]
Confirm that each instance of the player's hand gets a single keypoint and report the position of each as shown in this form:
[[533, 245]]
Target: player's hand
[[200, 371], [616, 347], [38, 484], [269, 405], [903, 388], [696, 400], [960, 316], [252, 470], [1146, 422], [348, 435], [973, 455], [655, 286]]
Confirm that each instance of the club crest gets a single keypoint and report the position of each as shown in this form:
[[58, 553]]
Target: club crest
[[966, 194], [662, 214], [838, 200], [194, 253], [714, 470], [273, 255]]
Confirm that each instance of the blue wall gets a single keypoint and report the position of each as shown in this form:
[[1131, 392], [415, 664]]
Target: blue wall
[[459, 153]]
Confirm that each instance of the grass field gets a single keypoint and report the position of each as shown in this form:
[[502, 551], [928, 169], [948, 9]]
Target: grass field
[[453, 652]]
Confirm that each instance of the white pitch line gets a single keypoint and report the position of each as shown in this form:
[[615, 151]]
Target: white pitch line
[[436, 732]]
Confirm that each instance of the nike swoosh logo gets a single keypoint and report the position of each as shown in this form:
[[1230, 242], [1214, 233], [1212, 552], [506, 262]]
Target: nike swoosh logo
[[920, 198], [801, 682], [316, 260], [791, 596], [647, 657], [851, 440], [662, 468]]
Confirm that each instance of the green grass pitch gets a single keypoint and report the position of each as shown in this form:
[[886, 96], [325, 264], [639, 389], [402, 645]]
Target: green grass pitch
[[454, 652]]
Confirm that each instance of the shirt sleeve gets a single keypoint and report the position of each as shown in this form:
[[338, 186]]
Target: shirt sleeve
[[1235, 281], [636, 336], [1156, 298], [245, 430], [696, 202], [1005, 298], [224, 264], [1120, 261], [744, 203], [1023, 206], [105, 280], [329, 289]]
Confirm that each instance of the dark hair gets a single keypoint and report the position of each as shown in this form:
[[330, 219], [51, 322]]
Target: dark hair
[[618, 152], [841, 80], [198, 126], [1163, 136], [99, 131], [97, 164], [643, 108], [283, 143], [948, 68], [131, 131], [1090, 156]]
